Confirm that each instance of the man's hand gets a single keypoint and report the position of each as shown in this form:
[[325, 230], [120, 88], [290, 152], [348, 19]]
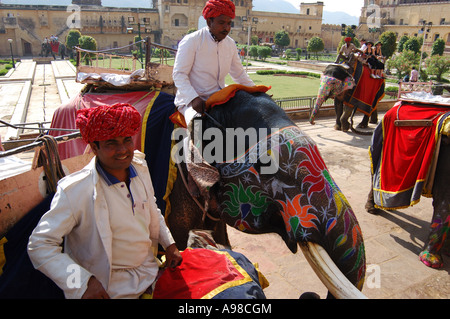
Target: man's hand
[[199, 105], [173, 256], [95, 290]]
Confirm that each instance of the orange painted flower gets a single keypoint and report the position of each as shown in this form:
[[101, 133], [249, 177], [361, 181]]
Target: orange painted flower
[[296, 215]]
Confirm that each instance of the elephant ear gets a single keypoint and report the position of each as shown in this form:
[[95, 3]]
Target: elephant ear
[[202, 173]]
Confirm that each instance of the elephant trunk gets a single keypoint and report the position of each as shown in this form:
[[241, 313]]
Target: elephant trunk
[[330, 87], [322, 96]]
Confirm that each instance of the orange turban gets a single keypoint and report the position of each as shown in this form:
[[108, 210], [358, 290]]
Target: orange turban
[[105, 122], [215, 8]]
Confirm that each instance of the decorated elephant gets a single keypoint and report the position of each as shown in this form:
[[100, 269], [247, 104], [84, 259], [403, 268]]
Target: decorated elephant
[[275, 181], [352, 88], [53, 48], [255, 170], [410, 156]]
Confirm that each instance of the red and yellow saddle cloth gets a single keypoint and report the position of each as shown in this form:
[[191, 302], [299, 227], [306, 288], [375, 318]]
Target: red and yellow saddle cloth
[[367, 92], [211, 274], [404, 153]]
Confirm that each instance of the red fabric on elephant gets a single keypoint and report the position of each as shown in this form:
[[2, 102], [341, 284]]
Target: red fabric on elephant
[[401, 165], [211, 274], [54, 46], [368, 92]]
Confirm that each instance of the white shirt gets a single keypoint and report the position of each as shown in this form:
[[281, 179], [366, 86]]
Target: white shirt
[[202, 64], [133, 266], [414, 77]]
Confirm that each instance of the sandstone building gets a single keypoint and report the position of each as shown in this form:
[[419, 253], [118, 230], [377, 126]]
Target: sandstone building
[[165, 23], [423, 18]]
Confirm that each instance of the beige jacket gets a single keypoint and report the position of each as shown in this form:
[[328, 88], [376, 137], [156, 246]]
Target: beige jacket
[[79, 215]]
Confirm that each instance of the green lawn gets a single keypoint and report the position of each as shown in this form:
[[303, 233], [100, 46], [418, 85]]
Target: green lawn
[[285, 86]]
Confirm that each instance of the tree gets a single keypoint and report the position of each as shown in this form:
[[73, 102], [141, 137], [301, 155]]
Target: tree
[[72, 40], [282, 38], [254, 40], [349, 32], [253, 51], [299, 53], [316, 45], [264, 52], [438, 65], [404, 62], [389, 43], [88, 43], [289, 54], [413, 44], [401, 43], [438, 47]]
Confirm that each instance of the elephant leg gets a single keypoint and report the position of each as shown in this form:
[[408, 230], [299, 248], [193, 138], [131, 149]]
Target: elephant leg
[[338, 108], [347, 112], [440, 224], [374, 117], [370, 204], [364, 123]]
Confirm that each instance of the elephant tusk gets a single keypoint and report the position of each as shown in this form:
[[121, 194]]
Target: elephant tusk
[[327, 271]]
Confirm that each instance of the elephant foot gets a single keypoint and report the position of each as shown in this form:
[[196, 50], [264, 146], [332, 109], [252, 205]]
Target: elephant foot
[[337, 127], [431, 260], [361, 125], [371, 209], [345, 126], [374, 211]]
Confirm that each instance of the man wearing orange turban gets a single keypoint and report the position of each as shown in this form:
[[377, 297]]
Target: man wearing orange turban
[[205, 58], [105, 215]]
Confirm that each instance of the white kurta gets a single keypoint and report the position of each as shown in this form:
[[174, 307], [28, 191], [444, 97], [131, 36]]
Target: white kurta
[[201, 66], [79, 213]]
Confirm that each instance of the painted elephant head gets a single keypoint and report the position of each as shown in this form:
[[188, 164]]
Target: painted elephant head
[[278, 182], [334, 82]]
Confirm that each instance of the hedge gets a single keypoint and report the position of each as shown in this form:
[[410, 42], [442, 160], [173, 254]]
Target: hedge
[[271, 72]]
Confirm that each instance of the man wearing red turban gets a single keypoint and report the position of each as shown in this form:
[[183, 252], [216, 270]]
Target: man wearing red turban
[[346, 50], [215, 8], [205, 58], [104, 122], [105, 215]]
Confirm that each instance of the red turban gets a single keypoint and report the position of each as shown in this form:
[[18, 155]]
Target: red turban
[[215, 8], [105, 122]]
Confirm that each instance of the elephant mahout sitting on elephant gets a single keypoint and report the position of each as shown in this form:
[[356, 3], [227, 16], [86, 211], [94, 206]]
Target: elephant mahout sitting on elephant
[[271, 178], [352, 89]]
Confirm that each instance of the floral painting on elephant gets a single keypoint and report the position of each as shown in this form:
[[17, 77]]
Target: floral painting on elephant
[[302, 191]]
